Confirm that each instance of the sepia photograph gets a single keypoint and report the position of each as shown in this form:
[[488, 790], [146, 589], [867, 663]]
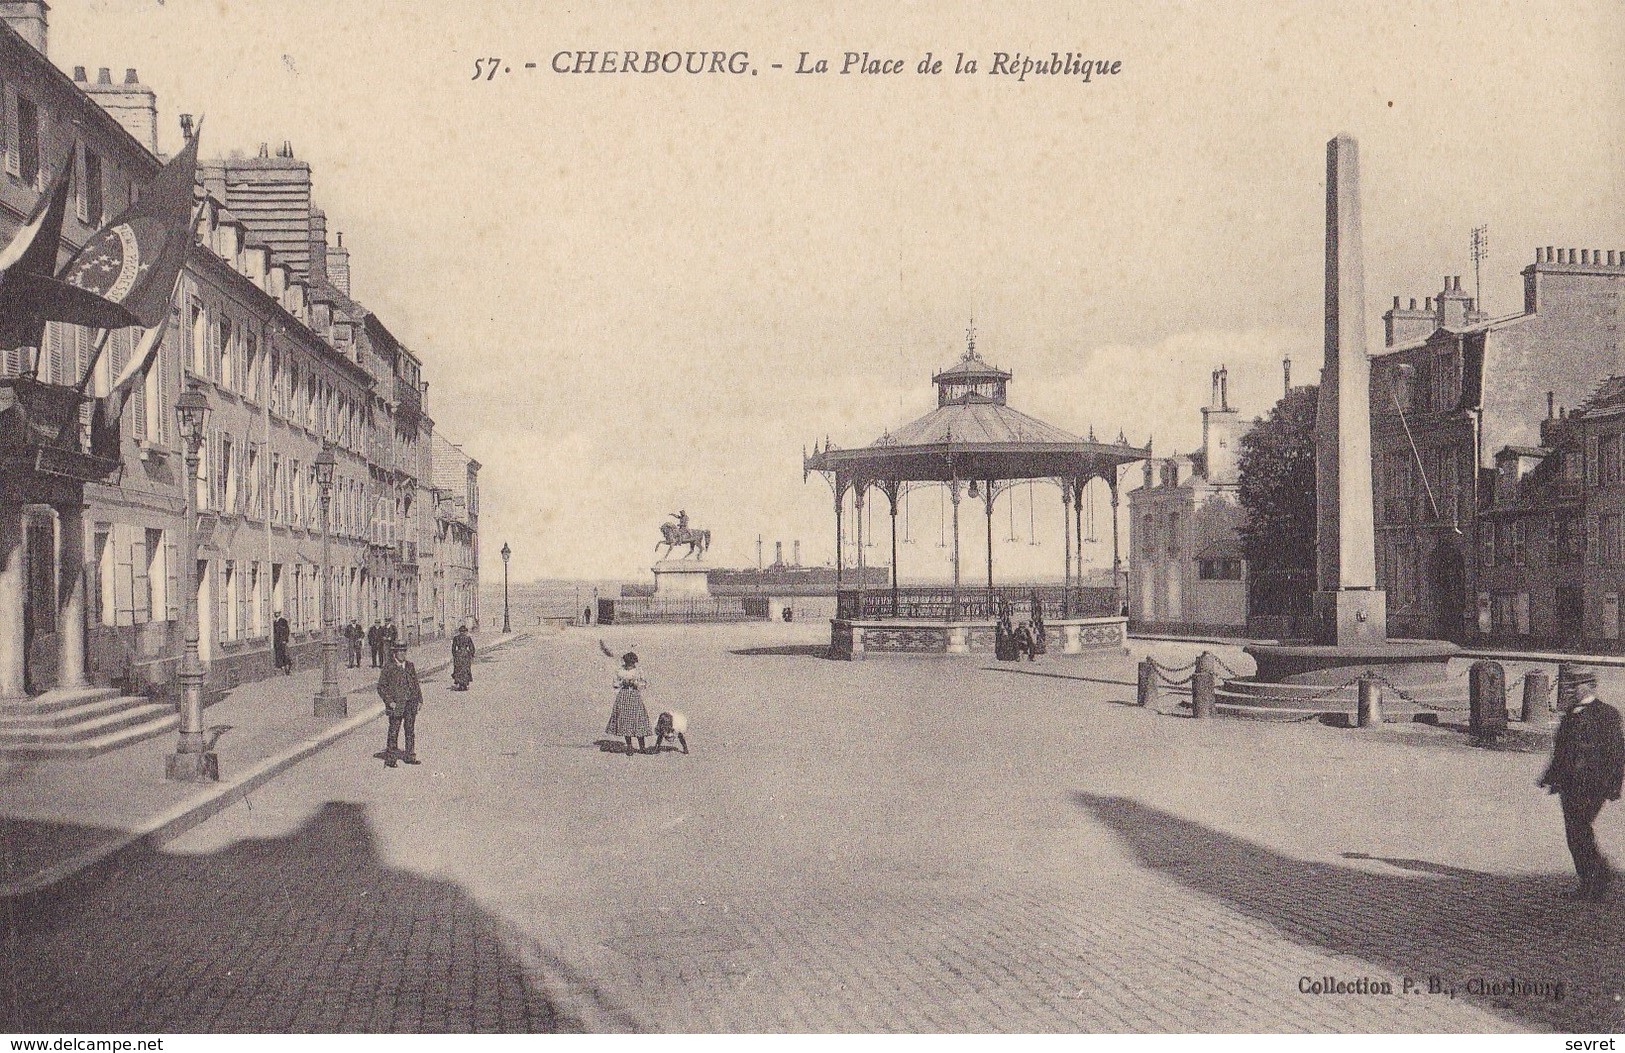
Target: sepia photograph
[[734, 518]]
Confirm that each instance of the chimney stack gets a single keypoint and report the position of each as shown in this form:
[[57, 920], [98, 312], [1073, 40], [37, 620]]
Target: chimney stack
[[29, 19], [132, 104], [778, 553], [1286, 376], [797, 550], [338, 266], [1551, 404]]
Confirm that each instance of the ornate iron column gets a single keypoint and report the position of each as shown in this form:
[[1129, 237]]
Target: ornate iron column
[[192, 761], [1066, 547], [953, 598], [507, 553], [330, 699]]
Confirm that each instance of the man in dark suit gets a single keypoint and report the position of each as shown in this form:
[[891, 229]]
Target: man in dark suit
[[389, 635], [354, 633], [280, 634], [1587, 768], [375, 644], [402, 694]]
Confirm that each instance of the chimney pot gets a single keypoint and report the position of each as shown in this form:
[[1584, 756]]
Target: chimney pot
[[265, 149], [1396, 303], [1549, 257], [1413, 303], [1551, 404], [1585, 255], [104, 76], [79, 74], [287, 148], [1428, 304], [130, 77], [1610, 257]]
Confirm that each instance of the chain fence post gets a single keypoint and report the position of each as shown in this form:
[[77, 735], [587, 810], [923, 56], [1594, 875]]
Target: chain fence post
[[1486, 701], [1369, 713], [1537, 688], [1203, 682], [1147, 691]]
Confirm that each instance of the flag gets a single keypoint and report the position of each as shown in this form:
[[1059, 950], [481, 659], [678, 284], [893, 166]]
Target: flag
[[29, 296], [141, 360], [134, 260]]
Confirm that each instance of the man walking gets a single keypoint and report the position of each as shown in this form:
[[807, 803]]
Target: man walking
[[402, 694], [280, 634], [389, 635], [1588, 765], [375, 644]]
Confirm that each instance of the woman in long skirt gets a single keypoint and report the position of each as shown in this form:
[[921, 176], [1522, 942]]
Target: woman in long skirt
[[629, 720]]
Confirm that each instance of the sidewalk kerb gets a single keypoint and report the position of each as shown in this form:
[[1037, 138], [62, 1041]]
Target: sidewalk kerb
[[186, 815]]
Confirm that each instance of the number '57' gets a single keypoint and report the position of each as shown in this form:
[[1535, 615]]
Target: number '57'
[[480, 70]]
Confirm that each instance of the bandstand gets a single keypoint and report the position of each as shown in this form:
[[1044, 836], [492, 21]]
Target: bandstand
[[974, 445]]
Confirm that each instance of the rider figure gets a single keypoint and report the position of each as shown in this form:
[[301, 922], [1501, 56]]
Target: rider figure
[[681, 515]]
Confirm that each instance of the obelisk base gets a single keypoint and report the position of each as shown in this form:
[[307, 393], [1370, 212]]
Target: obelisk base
[[1351, 617]]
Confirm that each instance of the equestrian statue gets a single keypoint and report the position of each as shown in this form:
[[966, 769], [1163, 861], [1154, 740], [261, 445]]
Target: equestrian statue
[[678, 533]]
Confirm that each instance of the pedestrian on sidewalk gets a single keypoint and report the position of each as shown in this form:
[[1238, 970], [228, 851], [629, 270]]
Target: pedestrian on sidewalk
[[402, 694], [375, 644], [1040, 643], [629, 719], [1587, 769], [462, 659], [353, 633], [280, 634], [389, 635]]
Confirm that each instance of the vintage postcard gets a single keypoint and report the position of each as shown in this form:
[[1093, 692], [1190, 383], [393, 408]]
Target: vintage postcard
[[746, 518]]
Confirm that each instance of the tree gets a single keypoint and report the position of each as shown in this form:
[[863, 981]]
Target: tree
[[1277, 490]]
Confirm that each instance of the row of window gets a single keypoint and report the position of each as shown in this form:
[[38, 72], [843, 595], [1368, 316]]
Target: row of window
[[240, 478], [22, 142], [230, 354]]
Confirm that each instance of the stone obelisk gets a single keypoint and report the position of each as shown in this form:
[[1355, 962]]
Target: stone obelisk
[[1350, 610]]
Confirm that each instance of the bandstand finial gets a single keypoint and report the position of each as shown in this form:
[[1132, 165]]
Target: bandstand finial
[[970, 340]]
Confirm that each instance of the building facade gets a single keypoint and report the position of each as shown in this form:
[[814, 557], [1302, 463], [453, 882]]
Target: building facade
[[455, 586], [1186, 570], [93, 518], [1460, 403]]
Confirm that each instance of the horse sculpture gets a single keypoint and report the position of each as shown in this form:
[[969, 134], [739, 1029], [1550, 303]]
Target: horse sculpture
[[673, 535]]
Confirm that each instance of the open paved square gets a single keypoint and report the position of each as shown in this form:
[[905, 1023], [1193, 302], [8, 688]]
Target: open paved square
[[897, 845]]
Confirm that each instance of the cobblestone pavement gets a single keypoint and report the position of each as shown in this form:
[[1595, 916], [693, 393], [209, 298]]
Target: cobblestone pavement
[[905, 845]]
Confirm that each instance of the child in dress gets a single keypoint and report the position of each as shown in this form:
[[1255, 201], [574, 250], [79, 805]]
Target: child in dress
[[629, 719]]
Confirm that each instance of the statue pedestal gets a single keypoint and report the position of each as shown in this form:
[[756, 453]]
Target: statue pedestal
[[681, 579]]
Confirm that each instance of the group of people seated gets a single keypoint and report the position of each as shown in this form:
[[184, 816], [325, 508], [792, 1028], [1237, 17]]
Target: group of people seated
[[1011, 642]]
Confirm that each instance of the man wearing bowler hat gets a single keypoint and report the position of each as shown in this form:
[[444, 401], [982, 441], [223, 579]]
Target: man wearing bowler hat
[[398, 687], [1587, 768]]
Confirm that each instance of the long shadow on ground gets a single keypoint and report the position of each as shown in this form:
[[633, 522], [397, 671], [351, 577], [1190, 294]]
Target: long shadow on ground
[[308, 932], [1456, 924]]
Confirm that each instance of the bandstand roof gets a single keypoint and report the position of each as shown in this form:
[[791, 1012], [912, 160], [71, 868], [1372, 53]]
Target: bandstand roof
[[973, 434]]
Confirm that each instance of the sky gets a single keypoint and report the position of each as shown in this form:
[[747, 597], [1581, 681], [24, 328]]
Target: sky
[[635, 293]]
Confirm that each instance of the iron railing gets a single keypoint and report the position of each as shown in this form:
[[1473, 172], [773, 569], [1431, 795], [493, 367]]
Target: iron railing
[[938, 603]]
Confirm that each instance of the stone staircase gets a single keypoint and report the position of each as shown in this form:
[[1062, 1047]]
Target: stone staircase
[[80, 722]]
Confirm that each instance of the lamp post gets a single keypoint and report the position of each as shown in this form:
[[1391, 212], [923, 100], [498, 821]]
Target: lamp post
[[329, 700], [192, 760], [506, 552]]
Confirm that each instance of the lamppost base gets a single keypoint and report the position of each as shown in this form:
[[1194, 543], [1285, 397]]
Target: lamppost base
[[192, 767], [333, 705]]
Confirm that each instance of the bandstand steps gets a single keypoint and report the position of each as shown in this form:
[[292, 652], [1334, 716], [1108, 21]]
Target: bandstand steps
[[86, 730]]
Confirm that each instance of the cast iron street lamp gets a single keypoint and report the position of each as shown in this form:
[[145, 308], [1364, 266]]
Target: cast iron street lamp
[[192, 761], [506, 552], [329, 700]]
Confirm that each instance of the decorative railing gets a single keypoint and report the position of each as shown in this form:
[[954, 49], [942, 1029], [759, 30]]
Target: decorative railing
[[640, 610], [938, 603]]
